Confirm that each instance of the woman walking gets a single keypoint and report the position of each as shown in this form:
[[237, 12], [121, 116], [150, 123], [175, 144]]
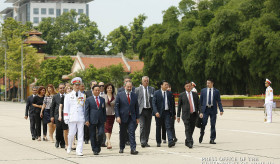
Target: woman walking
[[38, 104]]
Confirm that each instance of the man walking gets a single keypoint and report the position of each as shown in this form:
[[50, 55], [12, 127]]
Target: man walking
[[189, 105], [127, 115], [164, 111], [209, 98], [55, 114], [145, 95], [74, 115], [95, 116], [30, 110]]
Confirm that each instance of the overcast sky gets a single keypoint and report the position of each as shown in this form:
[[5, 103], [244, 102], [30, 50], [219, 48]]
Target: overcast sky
[[110, 14]]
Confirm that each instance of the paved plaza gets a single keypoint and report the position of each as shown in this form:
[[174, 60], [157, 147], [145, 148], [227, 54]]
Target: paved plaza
[[242, 138]]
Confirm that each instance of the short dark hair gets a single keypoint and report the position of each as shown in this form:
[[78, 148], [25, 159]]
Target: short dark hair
[[210, 79], [92, 82], [187, 82], [40, 89], [107, 85], [126, 77], [163, 81], [95, 86]]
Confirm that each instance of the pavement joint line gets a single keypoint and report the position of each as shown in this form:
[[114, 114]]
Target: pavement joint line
[[38, 150], [236, 151], [252, 132]]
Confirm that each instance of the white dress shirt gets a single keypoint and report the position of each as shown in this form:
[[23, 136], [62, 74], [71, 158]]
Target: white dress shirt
[[191, 99], [165, 101], [98, 100], [212, 93]]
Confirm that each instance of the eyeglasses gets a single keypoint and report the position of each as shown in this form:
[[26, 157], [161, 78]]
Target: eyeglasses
[[61, 87], [101, 85]]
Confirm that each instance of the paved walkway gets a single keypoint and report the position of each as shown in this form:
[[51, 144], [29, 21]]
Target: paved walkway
[[242, 137]]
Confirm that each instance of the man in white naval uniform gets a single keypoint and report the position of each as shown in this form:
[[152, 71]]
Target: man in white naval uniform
[[74, 111], [268, 100]]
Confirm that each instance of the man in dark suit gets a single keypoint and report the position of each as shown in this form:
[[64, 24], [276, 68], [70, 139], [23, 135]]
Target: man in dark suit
[[30, 110], [95, 118], [189, 105], [209, 98], [127, 115], [55, 114], [145, 95], [163, 110], [88, 94]]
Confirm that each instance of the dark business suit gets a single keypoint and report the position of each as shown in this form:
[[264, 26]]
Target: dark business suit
[[86, 128], [55, 113], [96, 117], [210, 111], [128, 113], [145, 113], [188, 117], [29, 110], [165, 115]]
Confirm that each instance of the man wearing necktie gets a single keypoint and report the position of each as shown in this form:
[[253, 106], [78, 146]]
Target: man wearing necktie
[[189, 105], [145, 95], [163, 111], [29, 110], [127, 115], [209, 98], [95, 117], [102, 94]]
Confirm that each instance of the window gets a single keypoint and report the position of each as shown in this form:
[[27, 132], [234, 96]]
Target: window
[[35, 19], [58, 12], [51, 11], [65, 10], [80, 11], [35, 10], [43, 11]]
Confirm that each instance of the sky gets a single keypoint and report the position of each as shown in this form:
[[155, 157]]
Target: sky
[[110, 14]]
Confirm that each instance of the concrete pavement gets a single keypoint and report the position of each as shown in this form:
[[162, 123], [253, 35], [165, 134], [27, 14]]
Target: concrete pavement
[[242, 137]]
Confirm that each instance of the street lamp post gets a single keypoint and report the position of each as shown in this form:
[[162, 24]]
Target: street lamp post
[[22, 100], [5, 74]]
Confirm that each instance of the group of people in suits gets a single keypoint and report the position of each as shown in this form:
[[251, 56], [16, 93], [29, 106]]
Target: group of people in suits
[[95, 111]]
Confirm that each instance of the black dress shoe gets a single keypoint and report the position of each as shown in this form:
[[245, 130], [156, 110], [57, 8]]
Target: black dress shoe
[[189, 145], [127, 143], [133, 152], [175, 140], [103, 145], [56, 144], [86, 141], [200, 139], [121, 151], [95, 153], [171, 144], [143, 145], [62, 146], [33, 138], [147, 145], [212, 142], [158, 144]]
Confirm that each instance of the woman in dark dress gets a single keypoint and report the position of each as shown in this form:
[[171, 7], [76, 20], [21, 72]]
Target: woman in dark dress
[[38, 104]]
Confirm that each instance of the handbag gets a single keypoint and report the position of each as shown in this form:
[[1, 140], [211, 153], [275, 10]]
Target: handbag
[[198, 122]]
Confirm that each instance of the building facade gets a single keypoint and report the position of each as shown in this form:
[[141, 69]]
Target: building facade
[[36, 10]]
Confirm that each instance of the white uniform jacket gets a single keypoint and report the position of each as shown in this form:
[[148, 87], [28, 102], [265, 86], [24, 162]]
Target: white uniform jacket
[[74, 107]]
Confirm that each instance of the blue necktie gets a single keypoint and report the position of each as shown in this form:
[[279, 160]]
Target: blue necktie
[[164, 100], [209, 100]]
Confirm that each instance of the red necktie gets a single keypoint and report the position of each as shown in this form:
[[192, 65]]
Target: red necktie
[[97, 101], [190, 102], [128, 98]]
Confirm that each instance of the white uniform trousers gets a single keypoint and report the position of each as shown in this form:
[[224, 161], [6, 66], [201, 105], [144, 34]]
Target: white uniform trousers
[[73, 127], [268, 108]]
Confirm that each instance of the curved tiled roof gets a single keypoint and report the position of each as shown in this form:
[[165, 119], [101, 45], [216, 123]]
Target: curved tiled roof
[[34, 39]]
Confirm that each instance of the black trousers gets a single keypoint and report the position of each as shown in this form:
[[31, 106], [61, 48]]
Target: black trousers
[[96, 141], [59, 132], [164, 119], [130, 127], [45, 128], [32, 124], [38, 122], [145, 125], [189, 128], [86, 133]]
